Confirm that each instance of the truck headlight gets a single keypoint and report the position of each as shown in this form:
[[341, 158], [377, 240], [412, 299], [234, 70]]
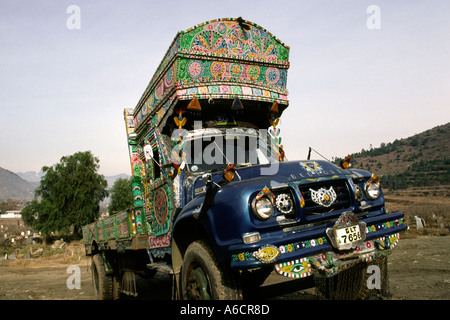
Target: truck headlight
[[372, 189], [262, 208]]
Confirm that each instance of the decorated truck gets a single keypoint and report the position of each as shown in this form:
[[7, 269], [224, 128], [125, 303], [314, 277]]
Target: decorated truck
[[217, 204]]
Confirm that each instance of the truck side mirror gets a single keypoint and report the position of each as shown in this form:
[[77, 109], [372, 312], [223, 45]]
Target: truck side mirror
[[210, 192], [207, 179]]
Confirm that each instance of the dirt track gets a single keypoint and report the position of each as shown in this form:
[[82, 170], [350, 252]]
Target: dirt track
[[419, 269]]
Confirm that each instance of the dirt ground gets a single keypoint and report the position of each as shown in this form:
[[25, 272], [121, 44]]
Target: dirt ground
[[419, 267]]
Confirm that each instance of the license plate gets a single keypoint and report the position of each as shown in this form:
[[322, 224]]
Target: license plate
[[348, 234]]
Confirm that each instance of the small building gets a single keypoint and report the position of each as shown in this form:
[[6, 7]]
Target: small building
[[11, 214]]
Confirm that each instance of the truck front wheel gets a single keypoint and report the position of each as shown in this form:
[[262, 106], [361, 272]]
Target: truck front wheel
[[203, 278]]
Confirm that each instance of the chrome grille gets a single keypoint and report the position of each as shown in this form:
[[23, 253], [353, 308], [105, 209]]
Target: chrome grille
[[342, 196]]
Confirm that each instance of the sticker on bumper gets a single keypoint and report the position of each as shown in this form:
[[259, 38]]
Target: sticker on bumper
[[267, 254], [294, 269]]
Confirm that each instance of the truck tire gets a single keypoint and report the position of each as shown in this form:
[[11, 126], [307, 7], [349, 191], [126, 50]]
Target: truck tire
[[103, 284], [203, 278], [116, 287]]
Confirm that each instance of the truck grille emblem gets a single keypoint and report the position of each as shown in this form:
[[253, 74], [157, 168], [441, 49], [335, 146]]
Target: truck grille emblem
[[323, 197]]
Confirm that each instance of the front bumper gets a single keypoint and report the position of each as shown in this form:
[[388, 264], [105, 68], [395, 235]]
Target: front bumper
[[301, 253]]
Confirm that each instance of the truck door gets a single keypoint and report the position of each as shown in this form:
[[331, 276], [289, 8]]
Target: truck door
[[160, 190]]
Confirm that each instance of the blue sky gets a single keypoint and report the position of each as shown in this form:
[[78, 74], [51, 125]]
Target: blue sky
[[350, 86]]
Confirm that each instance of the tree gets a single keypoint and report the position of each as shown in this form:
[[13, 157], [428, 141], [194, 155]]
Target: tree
[[121, 196], [69, 194]]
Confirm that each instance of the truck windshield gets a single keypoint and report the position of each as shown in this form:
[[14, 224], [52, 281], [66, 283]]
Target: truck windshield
[[214, 151]]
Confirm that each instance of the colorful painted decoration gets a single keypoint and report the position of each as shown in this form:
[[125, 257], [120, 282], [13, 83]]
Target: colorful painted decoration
[[180, 123], [274, 109], [159, 241], [275, 132], [161, 205], [138, 172], [177, 152], [312, 167], [282, 249], [274, 122], [373, 179], [326, 263], [139, 220], [346, 163], [162, 210], [267, 254], [137, 194], [302, 201], [281, 153], [224, 119], [237, 104], [194, 105], [265, 192], [220, 59], [384, 225], [217, 59], [299, 268]]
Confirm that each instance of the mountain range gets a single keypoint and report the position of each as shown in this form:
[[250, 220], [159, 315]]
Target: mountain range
[[31, 176], [21, 185], [13, 186]]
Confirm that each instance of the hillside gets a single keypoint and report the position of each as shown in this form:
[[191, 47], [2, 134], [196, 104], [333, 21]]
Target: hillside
[[13, 186], [420, 160]]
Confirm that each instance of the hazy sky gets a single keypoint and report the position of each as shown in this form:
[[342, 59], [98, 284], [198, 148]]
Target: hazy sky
[[358, 75]]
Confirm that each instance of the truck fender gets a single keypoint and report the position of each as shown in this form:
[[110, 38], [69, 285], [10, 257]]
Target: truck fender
[[92, 249]]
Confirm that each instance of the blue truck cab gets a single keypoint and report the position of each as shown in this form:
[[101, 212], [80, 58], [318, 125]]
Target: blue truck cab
[[217, 203]]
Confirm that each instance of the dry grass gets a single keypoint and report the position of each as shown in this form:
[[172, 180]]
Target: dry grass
[[429, 203], [73, 254]]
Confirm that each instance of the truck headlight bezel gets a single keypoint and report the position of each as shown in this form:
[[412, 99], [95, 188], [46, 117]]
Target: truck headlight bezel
[[263, 208], [372, 189]]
